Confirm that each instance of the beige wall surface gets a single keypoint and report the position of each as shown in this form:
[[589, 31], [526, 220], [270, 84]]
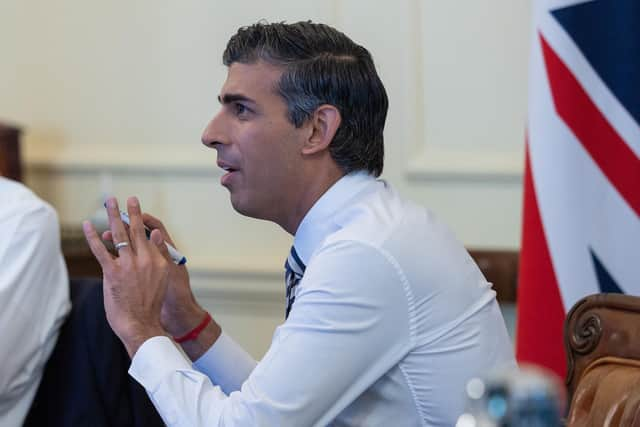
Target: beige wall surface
[[113, 97]]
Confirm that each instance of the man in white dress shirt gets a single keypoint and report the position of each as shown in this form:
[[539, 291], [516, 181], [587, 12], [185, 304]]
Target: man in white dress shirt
[[387, 315], [34, 296]]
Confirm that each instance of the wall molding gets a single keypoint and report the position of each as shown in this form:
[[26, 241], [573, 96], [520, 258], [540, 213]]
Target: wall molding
[[431, 164], [466, 165], [238, 285], [129, 159]]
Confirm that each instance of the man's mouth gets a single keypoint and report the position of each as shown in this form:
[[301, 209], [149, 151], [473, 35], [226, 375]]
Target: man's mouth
[[226, 167], [229, 172]]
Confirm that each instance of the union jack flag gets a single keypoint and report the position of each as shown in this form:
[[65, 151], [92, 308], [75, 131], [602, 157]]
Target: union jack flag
[[581, 215]]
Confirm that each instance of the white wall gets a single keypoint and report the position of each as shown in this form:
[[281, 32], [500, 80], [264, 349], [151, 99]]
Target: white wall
[[125, 88]]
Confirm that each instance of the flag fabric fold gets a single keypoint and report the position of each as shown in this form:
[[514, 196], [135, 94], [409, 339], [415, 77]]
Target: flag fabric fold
[[581, 212]]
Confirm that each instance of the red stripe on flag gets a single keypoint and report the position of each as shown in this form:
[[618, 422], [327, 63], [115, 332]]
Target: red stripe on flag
[[539, 329], [605, 146]]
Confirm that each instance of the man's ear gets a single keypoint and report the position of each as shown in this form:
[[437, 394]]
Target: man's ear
[[324, 125]]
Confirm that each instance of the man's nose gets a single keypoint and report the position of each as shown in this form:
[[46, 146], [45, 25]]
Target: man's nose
[[214, 132]]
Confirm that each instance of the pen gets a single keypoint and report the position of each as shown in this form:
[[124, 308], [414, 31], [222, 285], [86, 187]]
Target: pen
[[176, 256]]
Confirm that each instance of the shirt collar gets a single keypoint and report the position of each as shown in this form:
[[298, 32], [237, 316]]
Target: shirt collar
[[318, 223]]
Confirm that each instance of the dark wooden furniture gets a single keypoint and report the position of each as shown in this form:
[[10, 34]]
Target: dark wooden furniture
[[500, 267], [80, 261], [602, 340], [10, 165]]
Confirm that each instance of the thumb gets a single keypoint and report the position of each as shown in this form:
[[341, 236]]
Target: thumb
[[157, 239]]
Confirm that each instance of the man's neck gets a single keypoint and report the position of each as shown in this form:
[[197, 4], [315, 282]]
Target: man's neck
[[312, 192]]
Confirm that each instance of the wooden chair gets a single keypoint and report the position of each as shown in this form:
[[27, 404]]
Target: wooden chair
[[602, 339], [10, 165]]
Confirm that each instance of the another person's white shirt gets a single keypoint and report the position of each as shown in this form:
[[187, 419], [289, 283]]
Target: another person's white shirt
[[390, 321], [34, 296]]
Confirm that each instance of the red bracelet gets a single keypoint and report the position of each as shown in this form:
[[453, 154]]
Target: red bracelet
[[193, 334]]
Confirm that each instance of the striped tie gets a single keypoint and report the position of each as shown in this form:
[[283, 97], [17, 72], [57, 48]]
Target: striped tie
[[294, 269]]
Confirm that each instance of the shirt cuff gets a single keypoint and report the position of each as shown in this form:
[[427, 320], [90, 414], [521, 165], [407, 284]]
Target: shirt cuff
[[226, 363], [156, 359]]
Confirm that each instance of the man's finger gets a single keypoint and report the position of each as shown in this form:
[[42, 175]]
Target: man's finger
[[155, 224], [95, 244], [118, 231], [158, 240], [108, 236], [136, 226]]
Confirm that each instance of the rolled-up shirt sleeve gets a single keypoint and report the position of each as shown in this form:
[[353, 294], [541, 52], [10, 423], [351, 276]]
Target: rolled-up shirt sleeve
[[350, 324]]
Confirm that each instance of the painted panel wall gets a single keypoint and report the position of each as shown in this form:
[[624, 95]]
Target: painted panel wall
[[114, 95]]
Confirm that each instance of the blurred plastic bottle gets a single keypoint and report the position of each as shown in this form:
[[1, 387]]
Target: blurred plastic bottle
[[525, 397]]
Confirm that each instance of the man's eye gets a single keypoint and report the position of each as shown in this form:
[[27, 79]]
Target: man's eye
[[240, 109]]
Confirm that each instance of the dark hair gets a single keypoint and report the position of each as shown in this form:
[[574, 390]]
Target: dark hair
[[323, 66]]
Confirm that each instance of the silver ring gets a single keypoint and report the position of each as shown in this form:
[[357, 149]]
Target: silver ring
[[121, 245]]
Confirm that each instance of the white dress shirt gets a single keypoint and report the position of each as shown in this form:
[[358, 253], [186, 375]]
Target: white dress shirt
[[390, 321], [34, 296]]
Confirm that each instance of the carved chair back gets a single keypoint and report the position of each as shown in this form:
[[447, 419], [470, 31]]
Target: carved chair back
[[602, 339]]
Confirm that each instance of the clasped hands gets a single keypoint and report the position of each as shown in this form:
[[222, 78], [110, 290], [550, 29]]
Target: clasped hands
[[145, 293]]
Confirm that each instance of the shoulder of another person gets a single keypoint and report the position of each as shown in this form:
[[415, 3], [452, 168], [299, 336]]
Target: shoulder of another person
[[19, 203], [17, 192]]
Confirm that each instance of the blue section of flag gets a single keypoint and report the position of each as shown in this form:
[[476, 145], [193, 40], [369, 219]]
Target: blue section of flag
[[606, 283], [606, 33]]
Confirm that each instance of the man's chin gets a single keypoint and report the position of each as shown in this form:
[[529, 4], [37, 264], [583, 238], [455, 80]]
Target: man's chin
[[247, 209], [240, 206]]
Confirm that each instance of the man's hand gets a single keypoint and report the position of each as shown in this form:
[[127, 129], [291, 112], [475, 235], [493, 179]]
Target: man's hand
[[180, 312], [134, 281]]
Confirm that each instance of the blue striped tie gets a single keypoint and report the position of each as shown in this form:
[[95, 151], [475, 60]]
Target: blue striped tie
[[294, 269]]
